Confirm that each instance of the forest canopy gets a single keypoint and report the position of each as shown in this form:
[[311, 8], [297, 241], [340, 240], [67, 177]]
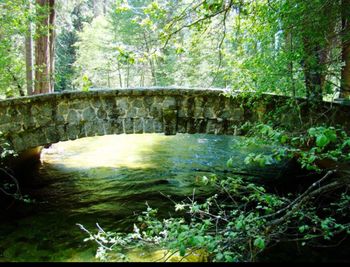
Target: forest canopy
[[290, 47]]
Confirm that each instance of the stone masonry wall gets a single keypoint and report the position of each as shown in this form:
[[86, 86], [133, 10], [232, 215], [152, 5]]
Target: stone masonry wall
[[43, 119], [28, 122]]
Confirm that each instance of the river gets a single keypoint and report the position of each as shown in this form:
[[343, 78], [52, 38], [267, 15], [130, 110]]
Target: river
[[106, 180]]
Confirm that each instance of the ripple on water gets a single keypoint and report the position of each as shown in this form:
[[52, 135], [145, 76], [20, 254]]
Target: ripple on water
[[108, 180]]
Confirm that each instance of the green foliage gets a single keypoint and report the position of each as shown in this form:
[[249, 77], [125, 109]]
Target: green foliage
[[86, 84], [5, 148], [317, 145], [243, 218], [14, 17], [282, 47], [232, 231]]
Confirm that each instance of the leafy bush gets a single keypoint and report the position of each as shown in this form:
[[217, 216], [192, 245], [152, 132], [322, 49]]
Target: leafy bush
[[234, 225], [318, 145], [243, 218]]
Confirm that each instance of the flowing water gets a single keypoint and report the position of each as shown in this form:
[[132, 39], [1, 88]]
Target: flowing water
[[107, 180]]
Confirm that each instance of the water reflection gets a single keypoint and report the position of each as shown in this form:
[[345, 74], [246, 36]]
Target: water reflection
[[107, 180]]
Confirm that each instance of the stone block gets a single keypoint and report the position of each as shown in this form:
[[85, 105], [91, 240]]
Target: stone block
[[191, 126], [137, 103], [138, 125], [78, 104], [220, 127], [123, 103], [182, 125], [12, 127], [89, 114], [100, 127], [148, 101], [148, 125], [169, 121], [73, 131], [52, 135], [209, 113], [132, 112], [155, 111], [61, 131], [73, 116], [198, 112], [117, 126], [158, 126], [190, 106], [211, 126], [142, 112], [95, 103], [101, 113], [128, 125], [62, 108], [108, 127], [169, 103], [200, 125]]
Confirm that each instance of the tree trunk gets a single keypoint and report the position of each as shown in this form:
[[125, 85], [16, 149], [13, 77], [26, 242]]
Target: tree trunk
[[52, 35], [345, 72], [44, 48], [29, 60]]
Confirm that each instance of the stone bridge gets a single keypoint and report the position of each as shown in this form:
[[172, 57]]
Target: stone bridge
[[39, 120]]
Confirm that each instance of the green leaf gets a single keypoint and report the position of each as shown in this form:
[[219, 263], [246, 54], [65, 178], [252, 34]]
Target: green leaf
[[259, 242], [303, 228], [284, 139], [239, 224], [322, 140], [312, 131], [219, 256], [182, 250]]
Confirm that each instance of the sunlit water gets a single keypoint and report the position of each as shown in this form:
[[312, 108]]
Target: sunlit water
[[107, 180]]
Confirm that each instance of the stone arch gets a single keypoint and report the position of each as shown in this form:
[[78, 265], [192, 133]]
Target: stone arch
[[39, 120]]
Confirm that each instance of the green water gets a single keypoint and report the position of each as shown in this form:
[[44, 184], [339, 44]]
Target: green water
[[106, 180]]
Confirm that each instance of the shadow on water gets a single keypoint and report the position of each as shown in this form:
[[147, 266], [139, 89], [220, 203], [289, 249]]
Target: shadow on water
[[108, 180]]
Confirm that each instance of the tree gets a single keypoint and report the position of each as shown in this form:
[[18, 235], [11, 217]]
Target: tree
[[44, 47], [29, 55], [345, 33]]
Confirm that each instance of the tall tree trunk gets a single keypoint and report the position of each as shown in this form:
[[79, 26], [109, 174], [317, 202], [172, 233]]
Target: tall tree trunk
[[345, 72], [52, 36], [44, 48], [29, 60]]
